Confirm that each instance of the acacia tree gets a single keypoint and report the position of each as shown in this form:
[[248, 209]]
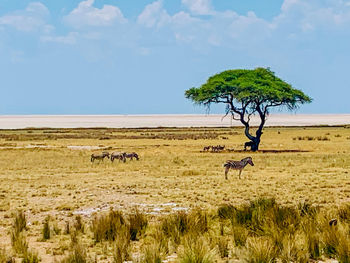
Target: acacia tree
[[246, 93]]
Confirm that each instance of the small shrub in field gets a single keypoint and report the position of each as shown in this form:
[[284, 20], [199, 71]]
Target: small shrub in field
[[67, 228], [121, 250], [160, 239], [5, 257], [343, 249], [19, 242], [240, 235], [78, 224], [226, 211], [137, 224], [151, 254], [77, 255], [260, 250], [330, 241], [46, 229], [196, 251], [20, 222], [181, 223], [344, 213], [223, 247], [312, 239], [291, 251], [106, 227], [31, 257], [306, 209]]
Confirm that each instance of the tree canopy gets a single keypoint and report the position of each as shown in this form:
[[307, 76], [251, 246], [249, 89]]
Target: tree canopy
[[247, 92]]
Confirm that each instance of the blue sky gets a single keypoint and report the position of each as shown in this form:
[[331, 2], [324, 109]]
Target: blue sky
[[138, 57]]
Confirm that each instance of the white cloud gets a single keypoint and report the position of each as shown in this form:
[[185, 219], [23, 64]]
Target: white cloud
[[69, 39], [154, 15], [33, 18], [88, 15], [199, 7]]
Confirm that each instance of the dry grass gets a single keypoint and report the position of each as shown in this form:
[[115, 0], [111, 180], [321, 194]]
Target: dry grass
[[41, 176]]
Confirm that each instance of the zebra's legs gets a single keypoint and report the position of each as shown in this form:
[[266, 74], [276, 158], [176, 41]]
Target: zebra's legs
[[226, 172]]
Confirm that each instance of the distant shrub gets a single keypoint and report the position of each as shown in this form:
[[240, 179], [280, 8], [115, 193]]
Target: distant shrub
[[137, 224], [46, 229]]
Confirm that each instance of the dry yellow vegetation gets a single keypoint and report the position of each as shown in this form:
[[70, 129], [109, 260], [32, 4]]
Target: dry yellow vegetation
[[47, 172]]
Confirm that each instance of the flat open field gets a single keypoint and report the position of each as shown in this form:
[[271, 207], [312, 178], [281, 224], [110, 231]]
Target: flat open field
[[48, 172]]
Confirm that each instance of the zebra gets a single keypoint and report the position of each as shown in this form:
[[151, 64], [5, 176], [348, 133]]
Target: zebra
[[217, 148], [237, 165], [131, 156], [118, 155], [207, 148], [99, 156]]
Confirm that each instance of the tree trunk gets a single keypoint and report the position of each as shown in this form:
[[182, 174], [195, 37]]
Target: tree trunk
[[255, 144]]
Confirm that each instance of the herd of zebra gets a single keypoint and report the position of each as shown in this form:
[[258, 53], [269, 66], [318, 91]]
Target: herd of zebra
[[217, 148], [121, 156]]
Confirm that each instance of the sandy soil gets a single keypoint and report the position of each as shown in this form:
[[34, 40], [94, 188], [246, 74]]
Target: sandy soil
[[135, 121]]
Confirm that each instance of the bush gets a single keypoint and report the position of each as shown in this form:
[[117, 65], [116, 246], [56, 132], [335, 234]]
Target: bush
[[31, 257], [19, 242], [76, 255], [196, 251], [180, 223], [46, 229], [106, 227], [5, 257], [78, 224], [121, 250], [20, 222], [151, 254], [260, 250], [137, 224]]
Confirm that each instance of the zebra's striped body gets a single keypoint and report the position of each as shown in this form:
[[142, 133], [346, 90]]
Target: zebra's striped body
[[237, 165], [118, 155], [132, 156], [99, 156]]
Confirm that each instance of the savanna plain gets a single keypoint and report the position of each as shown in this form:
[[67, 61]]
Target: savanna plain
[[174, 204]]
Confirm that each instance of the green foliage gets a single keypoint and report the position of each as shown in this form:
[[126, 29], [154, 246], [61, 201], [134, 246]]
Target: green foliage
[[258, 85]]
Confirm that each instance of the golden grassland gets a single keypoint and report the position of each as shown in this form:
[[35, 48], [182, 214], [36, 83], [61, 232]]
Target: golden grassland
[[47, 172]]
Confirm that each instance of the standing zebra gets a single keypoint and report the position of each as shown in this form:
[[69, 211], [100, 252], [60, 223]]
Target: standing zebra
[[132, 156], [99, 156], [237, 165], [118, 155]]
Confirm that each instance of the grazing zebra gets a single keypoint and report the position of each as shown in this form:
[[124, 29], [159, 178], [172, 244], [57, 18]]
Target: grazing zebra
[[99, 156], [118, 155], [237, 165], [248, 144], [217, 148], [132, 156], [207, 148]]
